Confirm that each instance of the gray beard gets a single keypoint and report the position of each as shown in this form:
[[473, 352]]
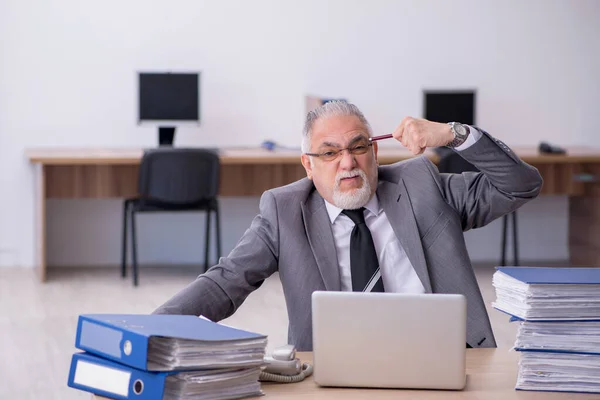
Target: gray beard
[[355, 198]]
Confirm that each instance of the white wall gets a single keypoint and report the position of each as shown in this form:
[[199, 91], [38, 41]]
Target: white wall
[[68, 78]]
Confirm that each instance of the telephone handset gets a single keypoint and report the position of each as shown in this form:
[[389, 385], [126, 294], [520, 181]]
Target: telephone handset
[[283, 366]]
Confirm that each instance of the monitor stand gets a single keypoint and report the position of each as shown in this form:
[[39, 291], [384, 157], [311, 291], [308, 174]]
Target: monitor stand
[[166, 134]]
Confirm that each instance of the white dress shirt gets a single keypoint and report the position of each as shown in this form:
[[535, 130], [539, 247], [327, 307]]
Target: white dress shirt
[[397, 272]]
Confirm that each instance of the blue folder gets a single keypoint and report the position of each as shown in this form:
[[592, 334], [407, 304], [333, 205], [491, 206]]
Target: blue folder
[[110, 379], [550, 275], [556, 351], [124, 337], [514, 318]]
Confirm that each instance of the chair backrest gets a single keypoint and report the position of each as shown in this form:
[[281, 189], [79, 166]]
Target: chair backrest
[[179, 176], [452, 163]]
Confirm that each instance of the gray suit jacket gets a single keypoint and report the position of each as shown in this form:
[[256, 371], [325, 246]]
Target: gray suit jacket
[[427, 210]]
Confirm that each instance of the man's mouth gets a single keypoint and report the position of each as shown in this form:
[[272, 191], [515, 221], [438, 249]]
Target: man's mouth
[[350, 180]]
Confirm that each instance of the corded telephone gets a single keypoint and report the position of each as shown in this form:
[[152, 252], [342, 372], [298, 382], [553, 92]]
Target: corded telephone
[[283, 366]]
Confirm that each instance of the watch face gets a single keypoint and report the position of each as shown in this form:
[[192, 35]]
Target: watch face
[[460, 130]]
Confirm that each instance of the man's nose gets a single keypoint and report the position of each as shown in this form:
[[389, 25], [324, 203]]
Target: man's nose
[[347, 160]]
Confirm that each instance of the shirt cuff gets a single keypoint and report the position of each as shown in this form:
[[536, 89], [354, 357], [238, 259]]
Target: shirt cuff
[[474, 136]]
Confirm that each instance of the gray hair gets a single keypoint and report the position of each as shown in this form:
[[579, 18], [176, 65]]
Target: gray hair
[[332, 108]]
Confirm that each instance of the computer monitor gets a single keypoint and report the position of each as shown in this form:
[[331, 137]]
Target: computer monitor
[[450, 106], [167, 99]]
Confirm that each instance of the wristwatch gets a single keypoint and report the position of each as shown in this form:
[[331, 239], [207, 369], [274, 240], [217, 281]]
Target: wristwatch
[[461, 133]]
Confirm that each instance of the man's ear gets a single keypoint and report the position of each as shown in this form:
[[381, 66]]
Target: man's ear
[[375, 150], [306, 164]]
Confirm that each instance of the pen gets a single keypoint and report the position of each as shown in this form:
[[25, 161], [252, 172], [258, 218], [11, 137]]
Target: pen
[[374, 138]]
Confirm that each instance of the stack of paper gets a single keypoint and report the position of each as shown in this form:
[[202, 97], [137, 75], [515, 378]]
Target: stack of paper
[[165, 357], [559, 332], [548, 293], [580, 337], [561, 372], [213, 384], [167, 353]]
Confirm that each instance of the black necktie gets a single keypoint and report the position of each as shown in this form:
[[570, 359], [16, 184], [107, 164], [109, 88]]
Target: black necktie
[[363, 257]]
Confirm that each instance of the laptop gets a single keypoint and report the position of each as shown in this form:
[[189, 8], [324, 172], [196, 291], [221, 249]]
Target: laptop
[[389, 340]]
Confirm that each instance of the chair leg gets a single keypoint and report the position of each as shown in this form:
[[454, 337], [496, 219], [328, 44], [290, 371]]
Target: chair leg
[[218, 222], [134, 249], [515, 238], [503, 257], [207, 245], [124, 240]]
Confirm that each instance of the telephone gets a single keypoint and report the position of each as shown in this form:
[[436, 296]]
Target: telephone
[[548, 148], [283, 366]]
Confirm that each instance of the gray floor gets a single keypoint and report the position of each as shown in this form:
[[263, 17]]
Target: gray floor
[[38, 321]]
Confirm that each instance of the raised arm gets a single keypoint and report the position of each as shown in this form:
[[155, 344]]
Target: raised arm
[[503, 184]]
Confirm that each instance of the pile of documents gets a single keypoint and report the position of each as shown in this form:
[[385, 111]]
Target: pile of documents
[[534, 293], [558, 311], [165, 357]]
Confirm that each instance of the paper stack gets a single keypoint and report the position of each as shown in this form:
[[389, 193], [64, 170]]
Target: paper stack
[[558, 310], [165, 357]]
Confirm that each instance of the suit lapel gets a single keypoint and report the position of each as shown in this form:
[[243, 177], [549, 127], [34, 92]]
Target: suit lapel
[[320, 237], [396, 204]]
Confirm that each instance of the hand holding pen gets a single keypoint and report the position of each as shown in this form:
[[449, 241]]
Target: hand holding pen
[[418, 134]]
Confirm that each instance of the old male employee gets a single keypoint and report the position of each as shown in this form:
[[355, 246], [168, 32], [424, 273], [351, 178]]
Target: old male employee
[[353, 224]]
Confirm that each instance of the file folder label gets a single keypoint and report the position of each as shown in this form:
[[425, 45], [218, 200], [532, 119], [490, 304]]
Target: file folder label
[[101, 338], [103, 378]]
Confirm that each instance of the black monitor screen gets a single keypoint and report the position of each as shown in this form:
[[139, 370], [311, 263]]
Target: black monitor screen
[[169, 96], [450, 106]]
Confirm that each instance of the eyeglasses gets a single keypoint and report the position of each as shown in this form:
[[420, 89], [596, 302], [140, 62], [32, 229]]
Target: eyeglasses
[[332, 154]]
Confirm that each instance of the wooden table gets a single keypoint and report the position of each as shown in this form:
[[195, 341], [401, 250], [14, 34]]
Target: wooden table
[[112, 173], [491, 375]]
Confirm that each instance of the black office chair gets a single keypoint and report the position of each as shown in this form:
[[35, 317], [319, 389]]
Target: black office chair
[[452, 163], [170, 180]]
